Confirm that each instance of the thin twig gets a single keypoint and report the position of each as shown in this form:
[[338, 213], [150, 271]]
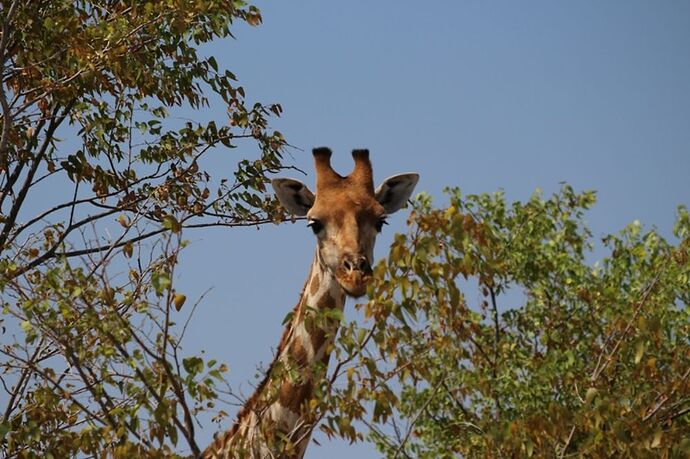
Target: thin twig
[[600, 367], [415, 418], [567, 443]]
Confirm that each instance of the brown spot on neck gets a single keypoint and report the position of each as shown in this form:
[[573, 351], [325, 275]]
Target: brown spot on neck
[[297, 354], [293, 394]]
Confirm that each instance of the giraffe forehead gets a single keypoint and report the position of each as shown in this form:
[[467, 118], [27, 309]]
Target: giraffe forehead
[[346, 206]]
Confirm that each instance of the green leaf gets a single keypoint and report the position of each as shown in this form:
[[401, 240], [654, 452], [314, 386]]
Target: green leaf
[[640, 347], [171, 223], [193, 365], [160, 282], [4, 430]]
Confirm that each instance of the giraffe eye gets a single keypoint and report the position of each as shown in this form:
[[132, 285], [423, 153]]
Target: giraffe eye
[[379, 224], [315, 225]]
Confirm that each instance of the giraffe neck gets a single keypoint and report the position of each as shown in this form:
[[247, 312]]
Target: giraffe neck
[[279, 408]]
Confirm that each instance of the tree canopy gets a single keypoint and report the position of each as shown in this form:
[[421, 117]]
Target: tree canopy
[[493, 333], [490, 329], [99, 178]]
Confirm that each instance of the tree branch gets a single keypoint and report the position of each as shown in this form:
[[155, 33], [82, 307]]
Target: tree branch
[[17, 205], [6, 115], [415, 418], [497, 338]]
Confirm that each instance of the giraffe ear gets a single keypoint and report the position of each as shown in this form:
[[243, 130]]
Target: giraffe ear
[[293, 195], [394, 192]]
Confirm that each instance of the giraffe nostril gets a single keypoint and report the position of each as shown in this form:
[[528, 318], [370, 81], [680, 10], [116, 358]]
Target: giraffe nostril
[[364, 265], [347, 265]]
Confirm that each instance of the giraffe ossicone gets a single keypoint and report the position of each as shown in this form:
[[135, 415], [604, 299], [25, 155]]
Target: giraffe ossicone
[[345, 214]]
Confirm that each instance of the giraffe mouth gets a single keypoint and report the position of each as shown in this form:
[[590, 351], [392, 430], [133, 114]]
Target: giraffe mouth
[[354, 282]]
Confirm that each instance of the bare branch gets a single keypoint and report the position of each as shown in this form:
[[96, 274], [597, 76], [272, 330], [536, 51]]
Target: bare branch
[[16, 207]]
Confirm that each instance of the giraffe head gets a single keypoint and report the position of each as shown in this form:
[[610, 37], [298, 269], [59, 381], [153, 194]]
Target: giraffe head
[[346, 214]]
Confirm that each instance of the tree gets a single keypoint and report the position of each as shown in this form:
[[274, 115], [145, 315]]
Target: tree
[[99, 179], [488, 331], [491, 334]]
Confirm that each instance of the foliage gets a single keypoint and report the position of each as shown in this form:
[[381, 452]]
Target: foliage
[[99, 179], [491, 334]]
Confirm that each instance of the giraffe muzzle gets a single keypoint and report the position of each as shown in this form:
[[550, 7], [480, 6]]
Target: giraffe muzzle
[[354, 275]]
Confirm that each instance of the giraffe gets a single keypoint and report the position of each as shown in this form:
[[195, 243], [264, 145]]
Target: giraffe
[[345, 215]]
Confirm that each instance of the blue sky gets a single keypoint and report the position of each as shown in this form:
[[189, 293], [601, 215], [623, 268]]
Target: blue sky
[[481, 95]]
